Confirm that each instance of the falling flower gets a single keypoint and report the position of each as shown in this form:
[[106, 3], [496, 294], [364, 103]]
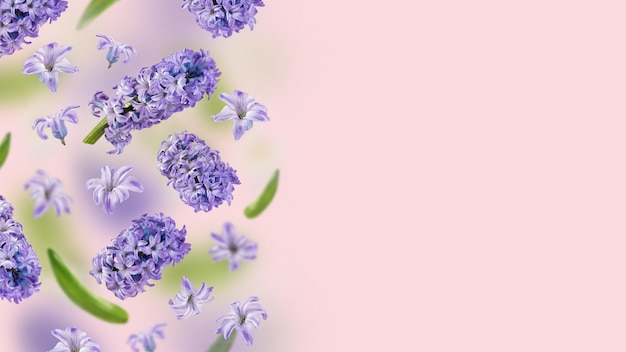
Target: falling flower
[[47, 62], [243, 109], [242, 317], [46, 191], [233, 246], [56, 122], [146, 338], [73, 340], [188, 300], [113, 187], [115, 49]]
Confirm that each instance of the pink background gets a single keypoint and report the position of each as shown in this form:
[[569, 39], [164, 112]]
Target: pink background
[[452, 175]]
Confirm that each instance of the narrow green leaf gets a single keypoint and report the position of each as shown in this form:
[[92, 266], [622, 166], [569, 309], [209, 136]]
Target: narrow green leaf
[[4, 148], [265, 198], [82, 297], [93, 10], [222, 345]]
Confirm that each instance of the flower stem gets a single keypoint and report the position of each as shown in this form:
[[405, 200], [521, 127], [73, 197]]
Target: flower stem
[[97, 132]]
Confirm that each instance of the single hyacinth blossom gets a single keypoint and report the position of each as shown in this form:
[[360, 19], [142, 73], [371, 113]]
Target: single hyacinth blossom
[[74, 340], [23, 19], [196, 171], [146, 339], [19, 264], [232, 246], [243, 110], [243, 317], [115, 49], [46, 191], [47, 62], [188, 301], [222, 18], [139, 254], [113, 187], [56, 122], [177, 82]]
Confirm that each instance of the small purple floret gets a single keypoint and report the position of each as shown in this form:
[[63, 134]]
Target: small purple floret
[[47, 62], [243, 317], [56, 122], [243, 110], [232, 246], [113, 187]]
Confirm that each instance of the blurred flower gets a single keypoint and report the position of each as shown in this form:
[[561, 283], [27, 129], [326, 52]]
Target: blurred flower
[[242, 317], [188, 300], [223, 17], [22, 19], [243, 109], [176, 82], [56, 122], [196, 171], [113, 187], [46, 191], [73, 340], [47, 62], [139, 254], [19, 265], [115, 49], [233, 246], [146, 338]]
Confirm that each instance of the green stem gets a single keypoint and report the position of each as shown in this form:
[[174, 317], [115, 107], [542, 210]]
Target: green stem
[[97, 132]]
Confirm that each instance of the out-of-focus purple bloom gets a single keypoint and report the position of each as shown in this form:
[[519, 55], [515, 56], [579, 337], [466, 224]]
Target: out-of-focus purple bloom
[[115, 49], [196, 171], [47, 62], [188, 300], [243, 110], [243, 317], [113, 187], [19, 265], [176, 82], [56, 122], [73, 340], [223, 17], [139, 254], [22, 19], [146, 339], [232, 246], [46, 191]]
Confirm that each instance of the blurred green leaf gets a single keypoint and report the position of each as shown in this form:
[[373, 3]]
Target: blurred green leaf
[[4, 148], [93, 10], [265, 198], [221, 344]]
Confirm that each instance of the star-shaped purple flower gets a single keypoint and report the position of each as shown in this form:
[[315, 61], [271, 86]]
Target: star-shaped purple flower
[[146, 339], [232, 246], [47, 62], [72, 340], [243, 109], [113, 187], [56, 122], [46, 191], [188, 301], [115, 49], [243, 317]]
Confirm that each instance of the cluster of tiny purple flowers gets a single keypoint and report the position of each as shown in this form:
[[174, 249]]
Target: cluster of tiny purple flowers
[[139, 254], [19, 265], [22, 19], [175, 83], [196, 171], [223, 17]]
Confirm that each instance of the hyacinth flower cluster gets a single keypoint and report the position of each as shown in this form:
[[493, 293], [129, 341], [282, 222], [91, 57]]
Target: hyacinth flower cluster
[[139, 254], [196, 171], [223, 17], [176, 82], [23, 19], [19, 264]]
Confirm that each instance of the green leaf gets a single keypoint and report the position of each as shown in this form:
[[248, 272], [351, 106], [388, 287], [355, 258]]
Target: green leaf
[[265, 198], [222, 345], [82, 297], [93, 10], [4, 148], [97, 132]]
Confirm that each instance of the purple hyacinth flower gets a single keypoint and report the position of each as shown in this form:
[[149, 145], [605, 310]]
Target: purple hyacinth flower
[[115, 49], [222, 18], [73, 340], [46, 191], [243, 317], [232, 246], [188, 301], [47, 62], [56, 122], [113, 187], [146, 338], [243, 110]]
